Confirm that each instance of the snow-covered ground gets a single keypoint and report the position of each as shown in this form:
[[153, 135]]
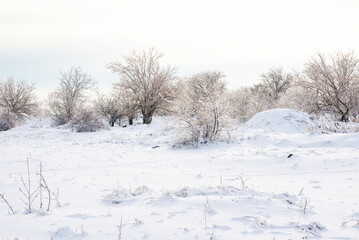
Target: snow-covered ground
[[132, 182]]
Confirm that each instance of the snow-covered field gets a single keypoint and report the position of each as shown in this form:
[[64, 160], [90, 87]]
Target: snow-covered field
[[132, 182]]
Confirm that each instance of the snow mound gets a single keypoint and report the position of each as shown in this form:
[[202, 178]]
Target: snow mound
[[284, 121], [68, 233]]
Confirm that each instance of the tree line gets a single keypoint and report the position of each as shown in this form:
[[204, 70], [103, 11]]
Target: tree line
[[202, 103]]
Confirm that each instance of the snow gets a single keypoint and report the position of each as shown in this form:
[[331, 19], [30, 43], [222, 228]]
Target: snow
[[284, 121], [114, 182]]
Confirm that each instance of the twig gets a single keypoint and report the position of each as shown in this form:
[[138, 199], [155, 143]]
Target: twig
[[29, 196], [243, 181], [301, 191], [355, 213], [119, 236], [56, 197], [305, 205], [40, 184], [44, 185], [7, 203], [212, 236]]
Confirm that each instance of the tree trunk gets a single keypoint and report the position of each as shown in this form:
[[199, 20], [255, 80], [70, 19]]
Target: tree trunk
[[112, 121], [8, 113], [344, 118], [147, 115], [130, 120], [147, 119]]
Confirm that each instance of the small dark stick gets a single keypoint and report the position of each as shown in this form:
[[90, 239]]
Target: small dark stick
[[290, 155]]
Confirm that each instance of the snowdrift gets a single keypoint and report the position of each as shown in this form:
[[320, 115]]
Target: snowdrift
[[283, 121]]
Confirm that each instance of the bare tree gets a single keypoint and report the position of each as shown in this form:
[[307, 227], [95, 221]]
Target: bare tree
[[110, 108], [262, 98], [69, 97], [246, 102], [128, 103], [17, 101], [242, 104], [150, 85], [297, 97], [276, 81], [202, 107], [333, 82]]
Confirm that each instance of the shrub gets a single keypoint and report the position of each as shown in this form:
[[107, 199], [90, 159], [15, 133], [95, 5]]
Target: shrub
[[86, 121], [202, 108], [17, 102], [110, 108], [69, 98]]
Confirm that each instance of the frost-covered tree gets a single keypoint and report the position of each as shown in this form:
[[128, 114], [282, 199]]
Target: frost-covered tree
[[297, 97], [86, 120], [333, 82], [202, 107], [110, 107], [17, 102], [69, 97], [261, 98], [242, 104], [128, 103], [150, 85], [248, 101], [276, 82]]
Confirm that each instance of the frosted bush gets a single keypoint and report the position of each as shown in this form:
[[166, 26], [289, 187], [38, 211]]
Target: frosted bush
[[86, 121], [202, 108]]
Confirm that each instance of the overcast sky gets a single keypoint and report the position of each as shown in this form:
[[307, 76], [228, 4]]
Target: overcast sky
[[241, 38]]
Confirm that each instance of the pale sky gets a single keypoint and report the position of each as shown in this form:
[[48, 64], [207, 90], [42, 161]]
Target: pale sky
[[240, 38]]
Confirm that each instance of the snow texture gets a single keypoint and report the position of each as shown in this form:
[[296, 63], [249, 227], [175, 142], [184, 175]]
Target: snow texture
[[274, 181]]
